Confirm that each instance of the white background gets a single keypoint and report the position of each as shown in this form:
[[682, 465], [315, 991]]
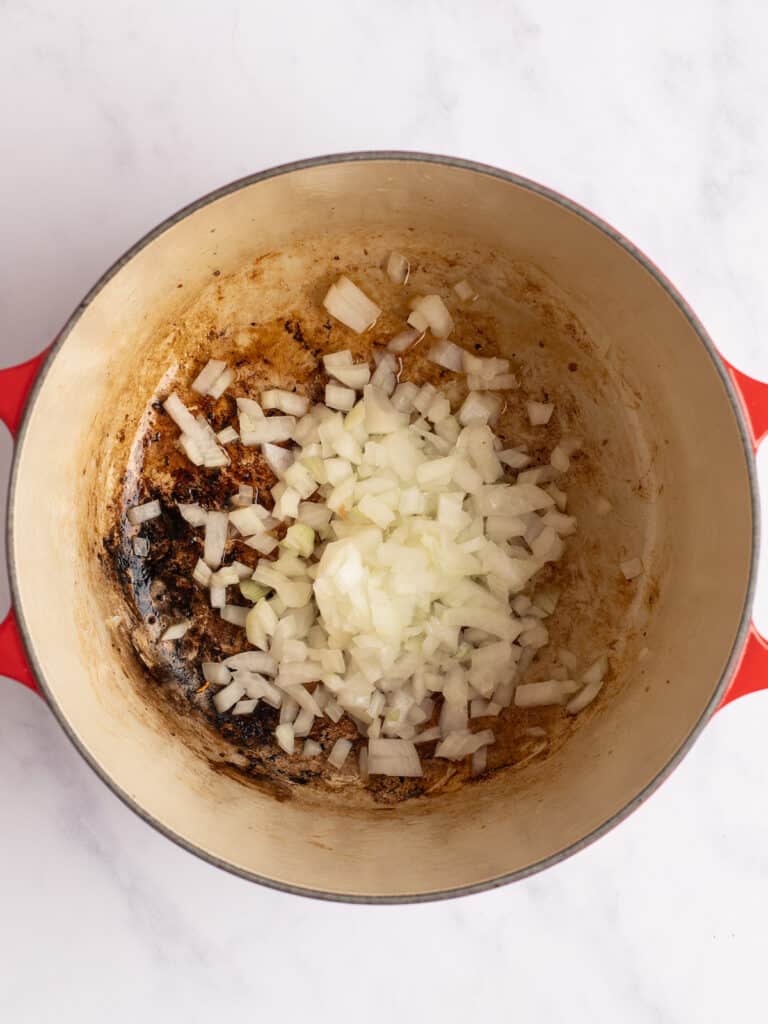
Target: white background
[[112, 115]]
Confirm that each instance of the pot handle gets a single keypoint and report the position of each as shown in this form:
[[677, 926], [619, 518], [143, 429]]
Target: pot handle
[[751, 673], [15, 384]]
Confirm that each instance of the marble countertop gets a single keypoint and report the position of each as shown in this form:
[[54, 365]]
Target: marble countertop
[[115, 114]]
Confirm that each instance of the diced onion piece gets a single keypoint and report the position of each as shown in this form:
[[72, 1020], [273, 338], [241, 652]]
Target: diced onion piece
[[278, 459], [355, 376], [393, 757], [227, 435], [253, 661], [193, 514], [244, 497], [140, 547], [433, 733], [339, 752], [398, 268], [404, 340], [338, 397], [587, 695], [300, 538], [202, 573], [176, 631], [552, 691], [446, 354], [335, 359], [514, 458], [228, 696], [436, 313], [631, 568], [269, 430], [479, 406], [209, 373], [247, 520], [216, 674], [502, 382], [143, 513], [263, 543], [218, 596], [479, 761], [244, 707], [220, 385], [216, 526], [403, 396], [286, 401], [285, 737], [311, 748], [539, 413], [464, 291], [235, 614], [349, 304], [418, 321]]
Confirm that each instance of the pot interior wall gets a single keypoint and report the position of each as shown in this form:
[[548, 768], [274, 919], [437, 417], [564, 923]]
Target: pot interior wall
[[659, 430]]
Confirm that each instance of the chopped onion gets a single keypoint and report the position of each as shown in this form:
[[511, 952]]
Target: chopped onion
[[311, 749], [347, 303], [245, 496], [216, 526], [481, 407], [269, 430], [286, 401], [247, 520], [479, 761], [539, 413], [263, 543], [142, 513], [209, 373], [436, 314], [215, 674], [244, 707], [631, 568], [393, 757], [235, 614], [418, 321], [140, 547], [202, 573], [285, 737], [220, 385], [398, 268], [464, 291], [552, 691], [335, 359], [587, 695], [404, 340], [339, 752], [446, 354], [176, 631], [337, 397], [228, 696], [355, 376], [227, 435]]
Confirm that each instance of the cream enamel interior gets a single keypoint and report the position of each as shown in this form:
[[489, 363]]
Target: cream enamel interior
[[693, 525]]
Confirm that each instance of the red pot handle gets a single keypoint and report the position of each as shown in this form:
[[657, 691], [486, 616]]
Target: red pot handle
[[752, 671], [15, 384]]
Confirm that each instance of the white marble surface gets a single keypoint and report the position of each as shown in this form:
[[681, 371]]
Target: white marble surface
[[112, 115]]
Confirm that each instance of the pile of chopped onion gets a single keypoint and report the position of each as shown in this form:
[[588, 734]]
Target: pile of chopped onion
[[404, 589]]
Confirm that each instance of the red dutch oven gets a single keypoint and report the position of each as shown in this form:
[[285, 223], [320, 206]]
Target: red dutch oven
[[671, 428]]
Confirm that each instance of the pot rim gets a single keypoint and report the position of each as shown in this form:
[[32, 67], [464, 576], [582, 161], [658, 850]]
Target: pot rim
[[617, 237]]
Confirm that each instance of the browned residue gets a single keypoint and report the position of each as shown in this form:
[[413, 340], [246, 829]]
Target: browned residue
[[268, 324]]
